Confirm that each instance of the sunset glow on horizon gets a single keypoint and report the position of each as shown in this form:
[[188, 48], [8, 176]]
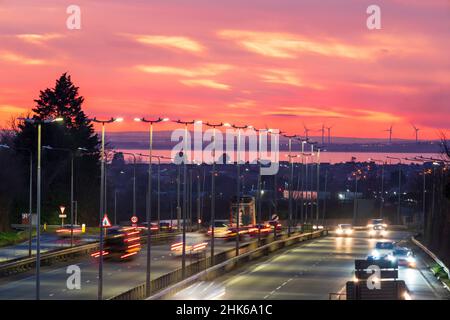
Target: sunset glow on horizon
[[269, 63]]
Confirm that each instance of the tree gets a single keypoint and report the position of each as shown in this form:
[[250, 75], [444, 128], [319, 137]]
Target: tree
[[76, 131]]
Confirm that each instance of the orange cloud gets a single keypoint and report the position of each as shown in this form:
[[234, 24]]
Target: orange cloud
[[171, 42], [287, 45], [17, 58], [204, 70], [205, 83], [286, 77], [328, 112], [38, 38]]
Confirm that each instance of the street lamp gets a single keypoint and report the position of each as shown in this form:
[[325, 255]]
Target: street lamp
[[382, 184], [134, 177], [71, 153], [302, 209], [185, 159], [213, 187], [30, 195], [39, 123], [102, 200], [238, 193], [149, 196], [399, 186], [291, 180]]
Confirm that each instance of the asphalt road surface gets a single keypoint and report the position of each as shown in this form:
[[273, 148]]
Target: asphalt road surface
[[118, 277], [311, 270]]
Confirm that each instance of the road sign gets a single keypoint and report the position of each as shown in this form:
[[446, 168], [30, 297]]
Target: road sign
[[275, 217], [134, 219], [105, 222], [62, 216]]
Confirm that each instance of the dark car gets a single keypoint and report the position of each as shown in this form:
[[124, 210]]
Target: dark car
[[121, 243], [405, 257]]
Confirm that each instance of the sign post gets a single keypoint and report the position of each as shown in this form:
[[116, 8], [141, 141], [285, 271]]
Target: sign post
[[62, 215], [134, 221], [105, 222]]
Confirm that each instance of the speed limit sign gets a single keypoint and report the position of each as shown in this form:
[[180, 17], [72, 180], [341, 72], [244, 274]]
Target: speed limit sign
[[134, 219]]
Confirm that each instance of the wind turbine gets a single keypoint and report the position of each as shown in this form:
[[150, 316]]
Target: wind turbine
[[416, 130], [329, 134], [390, 133], [323, 133], [306, 132]]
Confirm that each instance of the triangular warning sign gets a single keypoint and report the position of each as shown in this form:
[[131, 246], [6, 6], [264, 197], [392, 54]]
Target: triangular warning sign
[[105, 222]]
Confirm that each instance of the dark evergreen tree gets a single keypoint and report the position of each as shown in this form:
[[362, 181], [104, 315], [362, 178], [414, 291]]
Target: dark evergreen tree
[[76, 131]]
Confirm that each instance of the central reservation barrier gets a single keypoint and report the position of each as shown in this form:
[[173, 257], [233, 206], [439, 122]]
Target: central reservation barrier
[[224, 261]]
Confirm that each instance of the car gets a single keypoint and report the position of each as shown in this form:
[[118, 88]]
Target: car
[[195, 244], [263, 229], [405, 257], [376, 222], [344, 230], [165, 226], [144, 227], [121, 243], [377, 231], [383, 250], [221, 229], [65, 231]]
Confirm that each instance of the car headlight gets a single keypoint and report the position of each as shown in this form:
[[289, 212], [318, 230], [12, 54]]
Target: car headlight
[[411, 259], [375, 254], [391, 258]]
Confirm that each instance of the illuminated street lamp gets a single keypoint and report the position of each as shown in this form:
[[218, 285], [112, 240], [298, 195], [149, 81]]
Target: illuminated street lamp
[[39, 123], [134, 177], [185, 202], [238, 192], [102, 200], [291, 180], [71, 153], [382, 184], [149, 196], [302, 154], [399, 187], [213, 187]]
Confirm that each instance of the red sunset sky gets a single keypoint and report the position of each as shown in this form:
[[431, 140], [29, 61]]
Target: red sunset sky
[[275, 63]]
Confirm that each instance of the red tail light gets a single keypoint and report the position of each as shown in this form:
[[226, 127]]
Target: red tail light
[[176, 246], [97, 254], [131, 239], [128, 255]]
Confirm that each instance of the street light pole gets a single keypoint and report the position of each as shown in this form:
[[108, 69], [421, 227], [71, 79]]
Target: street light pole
[[399, 187], [149, 198], [185, 200], [291, 181], [102, 201], [318, 186], [71, 153], [238, 184], [39, 123], [383, 163], [213, 188]]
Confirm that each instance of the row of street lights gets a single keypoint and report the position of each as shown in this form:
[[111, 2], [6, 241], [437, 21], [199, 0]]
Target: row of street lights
[[103, 124]]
